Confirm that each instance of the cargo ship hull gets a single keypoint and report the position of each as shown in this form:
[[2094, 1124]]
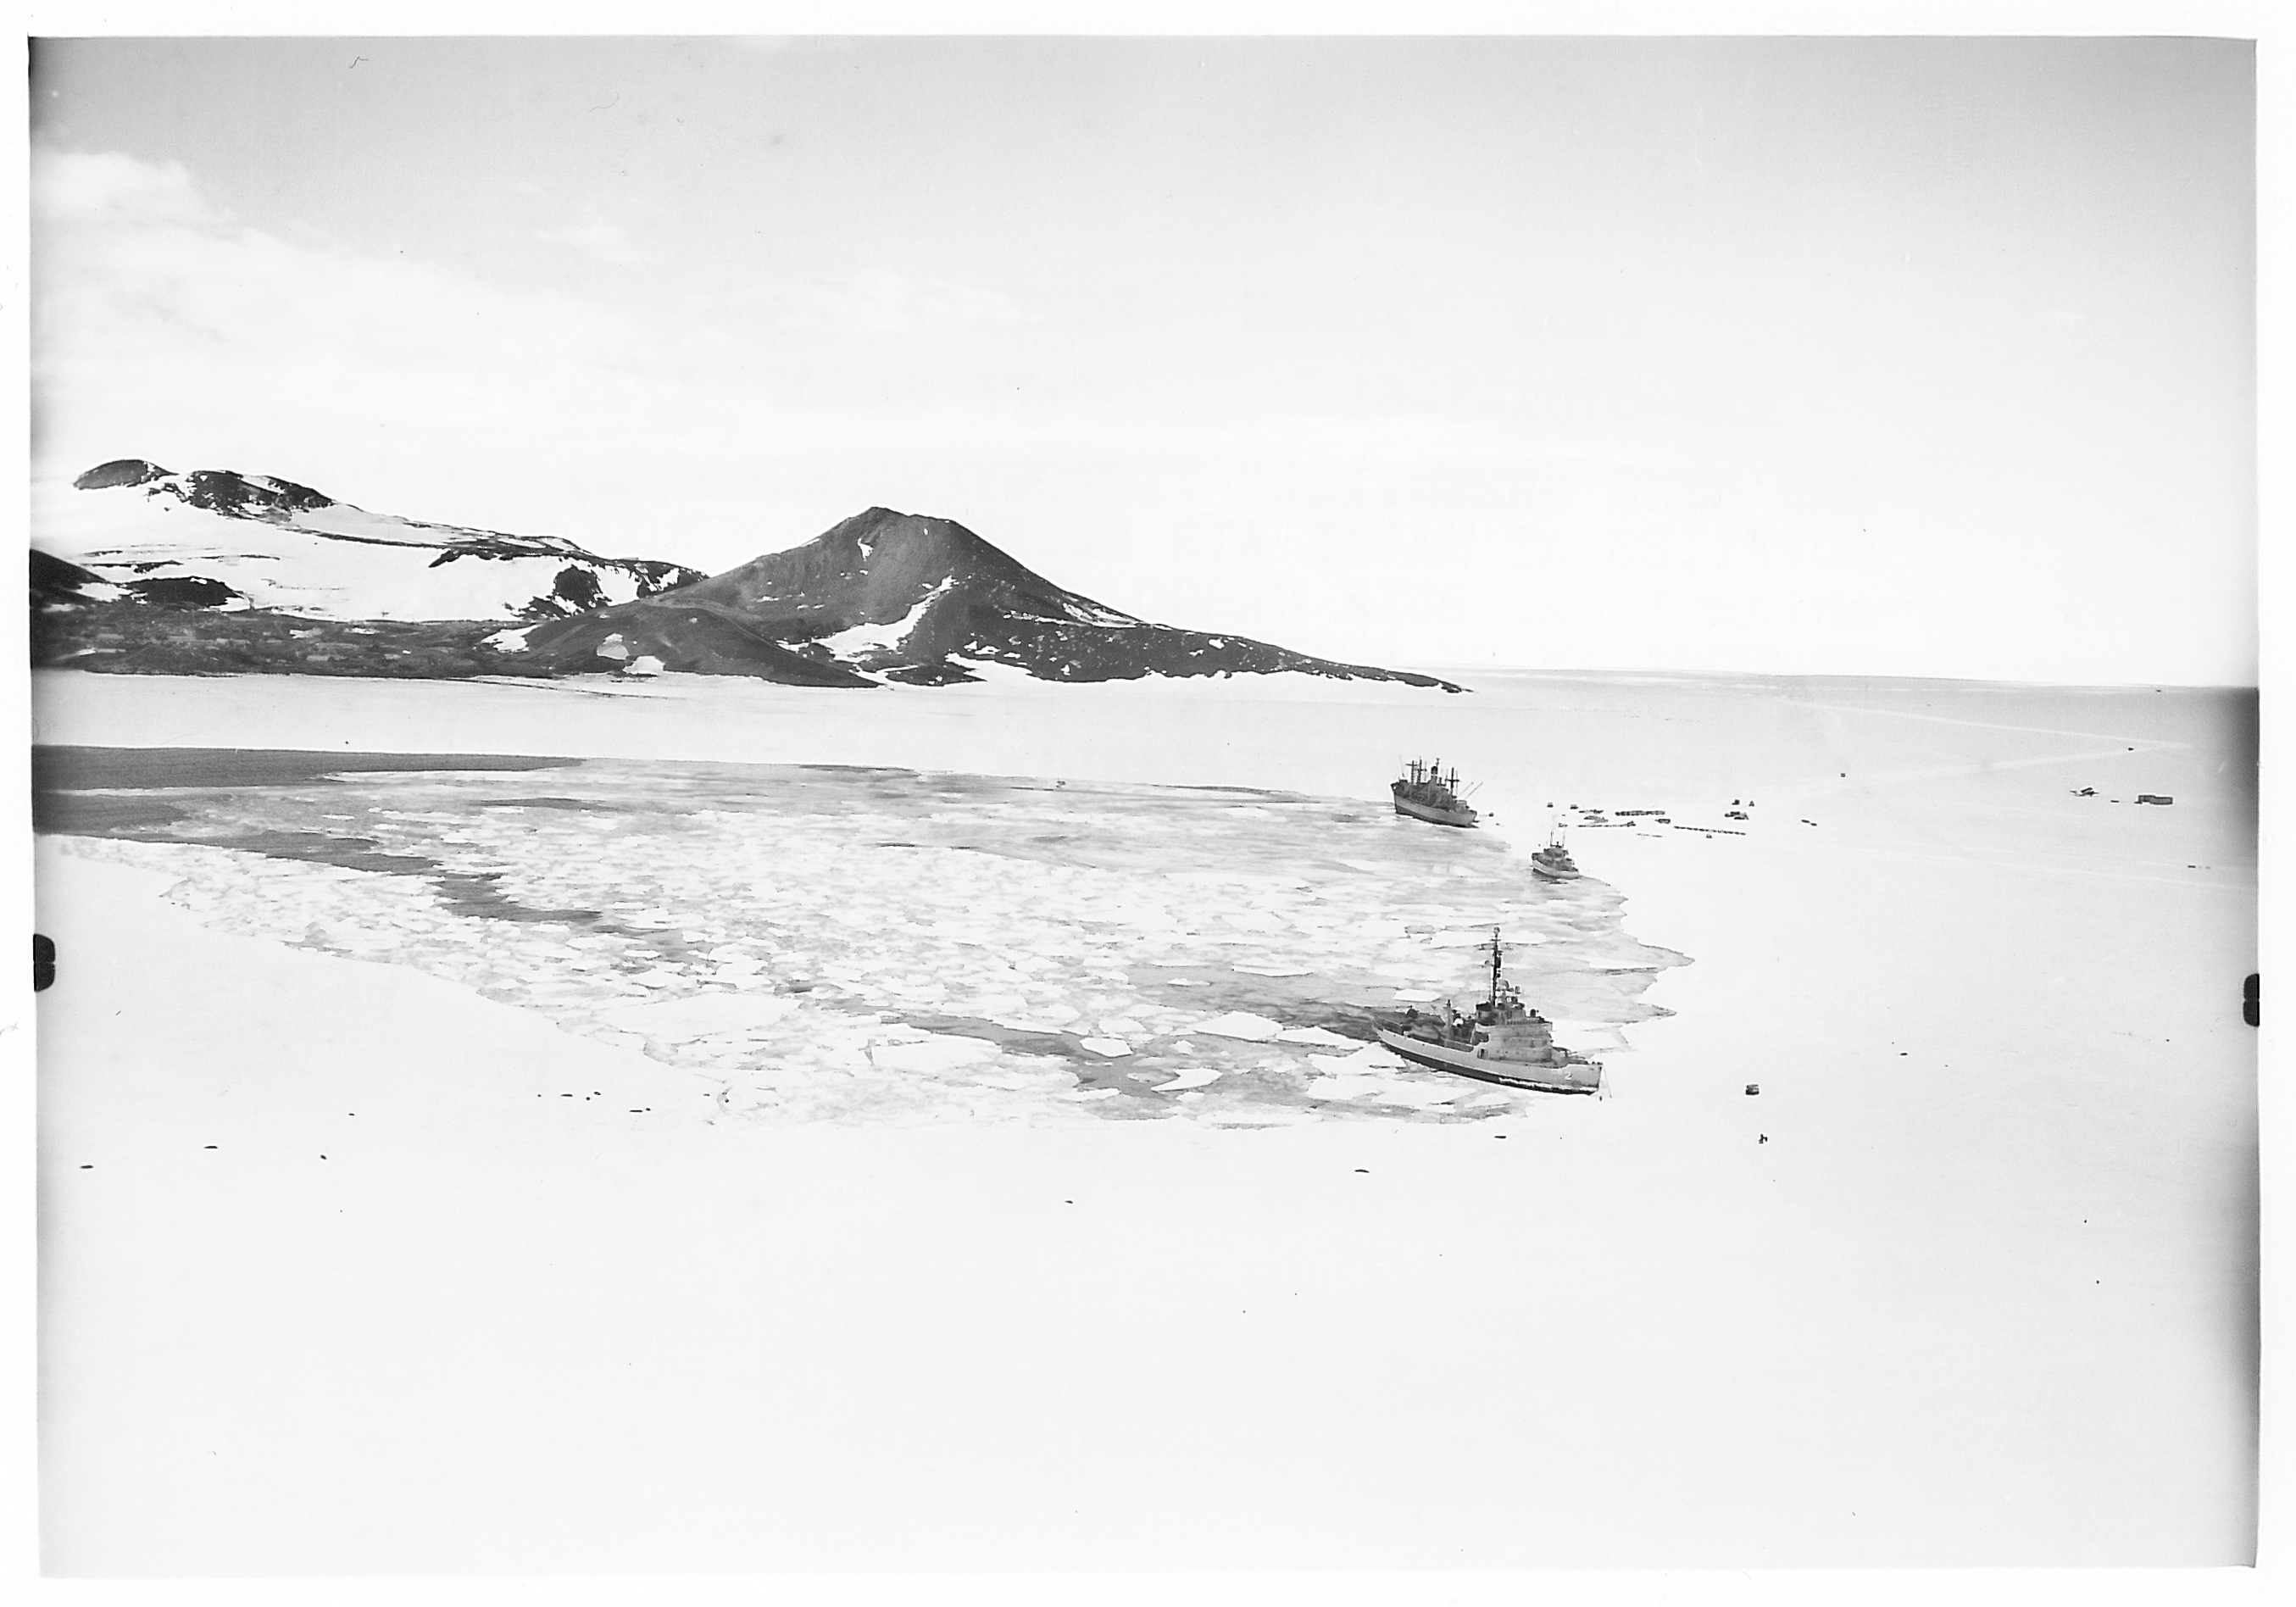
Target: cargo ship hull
[[1455, 815]]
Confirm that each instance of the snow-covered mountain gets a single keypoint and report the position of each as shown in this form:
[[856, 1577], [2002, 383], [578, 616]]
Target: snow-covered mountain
[[902, 597], [218, 539], [141, 569]]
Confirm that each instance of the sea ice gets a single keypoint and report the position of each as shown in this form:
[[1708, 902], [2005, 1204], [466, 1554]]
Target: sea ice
[[933, 1054], [1386, 1091], [1243, 1024], [700, 1015], [1313, 1035], [1197, 1078], [874, 944], [1368, 1060]]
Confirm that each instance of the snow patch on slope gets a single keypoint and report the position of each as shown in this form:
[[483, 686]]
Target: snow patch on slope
[[877, 638]]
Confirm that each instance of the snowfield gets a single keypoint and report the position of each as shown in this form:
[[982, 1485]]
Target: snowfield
[[332, 563], [675, 1264]]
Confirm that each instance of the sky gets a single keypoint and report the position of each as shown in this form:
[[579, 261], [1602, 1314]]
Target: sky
[[1884, 355]]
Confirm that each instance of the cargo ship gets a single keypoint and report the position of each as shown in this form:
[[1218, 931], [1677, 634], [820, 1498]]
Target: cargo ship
[[1426, 793]]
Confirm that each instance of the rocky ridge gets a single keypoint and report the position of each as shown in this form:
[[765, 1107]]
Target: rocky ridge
[[143, 569]]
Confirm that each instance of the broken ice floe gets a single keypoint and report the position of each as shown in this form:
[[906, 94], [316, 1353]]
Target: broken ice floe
[[1241, 1024], [1187, 1080], [878, 945]]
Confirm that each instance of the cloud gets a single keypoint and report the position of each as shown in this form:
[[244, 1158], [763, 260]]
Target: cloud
[[132, 258], [159, 319], [596, 237], [166, 327], [72, 189], [880, 301]]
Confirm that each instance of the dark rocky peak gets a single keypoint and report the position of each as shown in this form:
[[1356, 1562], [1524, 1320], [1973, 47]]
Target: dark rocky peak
[[249, 496], [222, 491], [120, 472], [877, 566], [915, 544]]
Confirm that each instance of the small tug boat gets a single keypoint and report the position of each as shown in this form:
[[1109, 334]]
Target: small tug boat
[[1504, 1041], [1426, 793], [1553, 861]]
